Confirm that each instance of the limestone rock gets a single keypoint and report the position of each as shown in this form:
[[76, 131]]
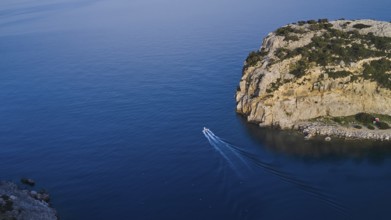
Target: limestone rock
[[286, 82]]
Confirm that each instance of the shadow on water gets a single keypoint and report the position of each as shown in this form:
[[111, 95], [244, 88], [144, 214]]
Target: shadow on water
[[238, 158], [292, 143]]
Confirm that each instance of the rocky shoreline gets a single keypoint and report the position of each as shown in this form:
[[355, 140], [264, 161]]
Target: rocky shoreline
[[321, 69], [312, 129], [23, 204]]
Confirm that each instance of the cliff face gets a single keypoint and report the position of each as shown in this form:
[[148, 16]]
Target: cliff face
[[318, 68]]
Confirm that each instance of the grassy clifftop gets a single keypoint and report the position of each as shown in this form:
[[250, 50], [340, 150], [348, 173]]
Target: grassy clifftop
[[333, 47]]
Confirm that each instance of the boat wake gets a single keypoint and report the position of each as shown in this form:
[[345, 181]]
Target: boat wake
[[238, 158]]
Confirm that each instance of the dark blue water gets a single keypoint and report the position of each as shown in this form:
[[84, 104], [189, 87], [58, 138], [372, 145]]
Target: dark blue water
[[103, 104]]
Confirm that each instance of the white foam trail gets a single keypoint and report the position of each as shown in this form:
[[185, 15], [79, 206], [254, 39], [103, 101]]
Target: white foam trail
[[212, 140], [222, 146], [232, 148], [216, 147]]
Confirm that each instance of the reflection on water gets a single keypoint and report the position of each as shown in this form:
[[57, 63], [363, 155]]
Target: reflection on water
[[293, 144]]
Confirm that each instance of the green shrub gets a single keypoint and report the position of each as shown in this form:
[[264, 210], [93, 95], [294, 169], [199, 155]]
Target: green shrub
[[301, 23], [271, 62], [315, 27], [382, 125], [288, 30], [331, 47], [361, 26], [254, 57], [284, 53], [283, 31], [280, 52], [327, 25], [291, 37], [353, 78], [339, 74], [344, 25], [275, 85], [364, 118], [370, 127], [338, 120], [323, 20], [299, 68], [377, 71], [381, 43]]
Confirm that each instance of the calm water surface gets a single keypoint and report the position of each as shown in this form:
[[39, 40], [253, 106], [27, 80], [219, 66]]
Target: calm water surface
[[103, 103]]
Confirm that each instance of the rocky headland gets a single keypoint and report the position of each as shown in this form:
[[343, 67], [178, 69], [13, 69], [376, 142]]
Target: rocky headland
[[23, 204], [321, 77]]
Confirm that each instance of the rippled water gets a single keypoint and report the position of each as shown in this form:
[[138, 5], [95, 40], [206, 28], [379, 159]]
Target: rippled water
[[103, 103]]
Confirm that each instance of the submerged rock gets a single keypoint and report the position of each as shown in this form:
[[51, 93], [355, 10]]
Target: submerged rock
[[27, 181]]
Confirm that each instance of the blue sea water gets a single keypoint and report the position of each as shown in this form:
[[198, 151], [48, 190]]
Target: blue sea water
[[103, 104]]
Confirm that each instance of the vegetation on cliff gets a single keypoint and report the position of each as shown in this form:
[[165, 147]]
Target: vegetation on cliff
[[336, 70], [359, 121], [254, 57], [332, 47], [379, 71]]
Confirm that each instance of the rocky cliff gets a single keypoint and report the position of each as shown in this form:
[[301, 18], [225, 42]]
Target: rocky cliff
[[313, 69]]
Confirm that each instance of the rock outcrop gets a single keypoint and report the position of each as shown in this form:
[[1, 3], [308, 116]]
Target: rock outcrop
[[21, 204], [317, 69]]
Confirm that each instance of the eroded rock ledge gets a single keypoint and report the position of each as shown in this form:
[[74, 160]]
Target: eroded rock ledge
[[311, 129], [313, 69]]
